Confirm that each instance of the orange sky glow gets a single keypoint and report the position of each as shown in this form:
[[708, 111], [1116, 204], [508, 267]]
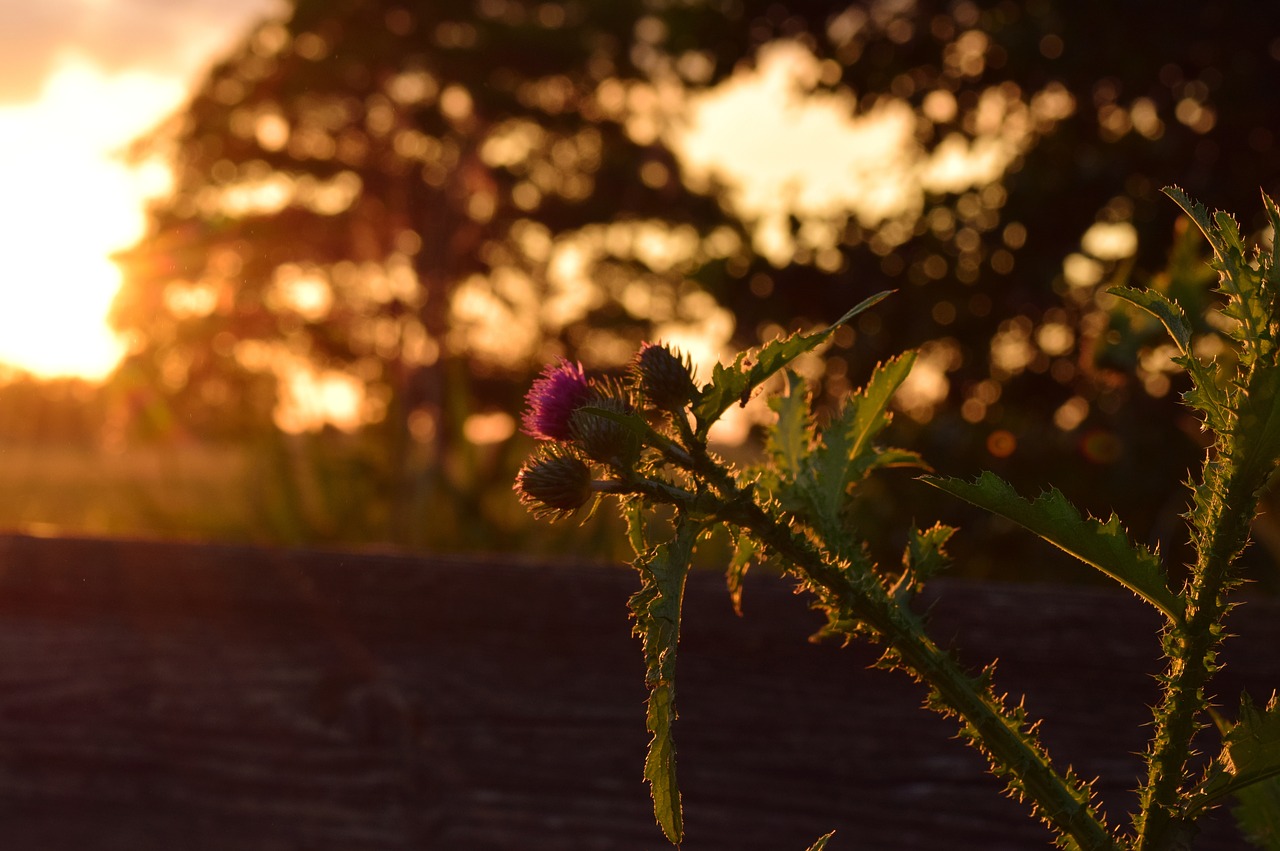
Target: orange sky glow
[[82, 78]]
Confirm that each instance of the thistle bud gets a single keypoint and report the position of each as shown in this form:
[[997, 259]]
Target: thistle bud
[[664, 377], [554, 483], [602, 439], [561, 390]]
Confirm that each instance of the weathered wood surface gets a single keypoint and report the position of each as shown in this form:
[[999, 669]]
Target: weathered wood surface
[[165, 696]]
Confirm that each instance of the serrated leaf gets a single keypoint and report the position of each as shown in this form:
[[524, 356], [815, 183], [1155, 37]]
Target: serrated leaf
[[1256, 437], [1105, 546], [1250, 300], [892, 456], [633, 513], [1257, 813], [1270, 267], [788, 439], [1205, 395], [822, 842], [1169, 312], [812, 478], [846, 451], [1250, 753], [870, 416], [925, 556], [656, 608], [745, 551], [1194, 209], [925, 553], [730, 384], [1253, 745]]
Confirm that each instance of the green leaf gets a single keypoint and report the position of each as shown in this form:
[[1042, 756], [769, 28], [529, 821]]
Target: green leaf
[[1255, 440], [788, 439], [1258, 813], [1253, 744], [1270, 266], [822, 842], [866, 415], [1102, 545], [925, 556], [1194, 209], [745, 551], [1250, 298], [812, 477], [633, 514], [1205, 395], [846, 451], [1249, 760], [1169, 312], [735, 383], [656, 608]]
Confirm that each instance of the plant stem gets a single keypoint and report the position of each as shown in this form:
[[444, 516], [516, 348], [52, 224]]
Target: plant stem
[[1003, 735], [1225, 505]]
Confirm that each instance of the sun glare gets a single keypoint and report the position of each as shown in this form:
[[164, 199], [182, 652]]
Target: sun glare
[[69, 202]]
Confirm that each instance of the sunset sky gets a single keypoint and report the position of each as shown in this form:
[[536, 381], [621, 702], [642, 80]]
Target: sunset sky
[[79, 80]]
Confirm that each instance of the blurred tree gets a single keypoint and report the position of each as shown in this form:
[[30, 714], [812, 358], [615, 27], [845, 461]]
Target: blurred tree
[[403, 208]]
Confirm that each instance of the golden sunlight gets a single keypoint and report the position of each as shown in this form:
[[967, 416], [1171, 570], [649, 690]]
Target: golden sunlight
[[70, 202]]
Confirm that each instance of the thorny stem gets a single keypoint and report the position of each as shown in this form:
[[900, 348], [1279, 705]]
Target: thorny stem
[[1004, 737], [1191, 646]]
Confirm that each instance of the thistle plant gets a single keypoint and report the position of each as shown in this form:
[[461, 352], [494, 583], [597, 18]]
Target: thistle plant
[[644, 442]]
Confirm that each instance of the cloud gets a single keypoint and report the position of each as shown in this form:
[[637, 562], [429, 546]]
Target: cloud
[[170, 37]]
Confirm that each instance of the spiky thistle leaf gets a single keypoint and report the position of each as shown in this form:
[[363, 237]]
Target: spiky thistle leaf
[[656, 608], [745, 551], [788, 441], [1249, 287], [812, 477], [925, 556], [1248, 767], [1253, 747], [730, 384], [1205, 394], [822, 842], [1105, 546]]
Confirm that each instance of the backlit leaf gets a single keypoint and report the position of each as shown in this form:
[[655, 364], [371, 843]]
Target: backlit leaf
[[1105, 546], [656, 608], [1169, 312], [788, 439], [1206, 395], [1255, 440], [745, 551], [822, 842], [1249, 768], [735, 383], [925, 556]]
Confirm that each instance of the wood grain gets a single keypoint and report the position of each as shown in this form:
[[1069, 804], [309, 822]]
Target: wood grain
[[173, 696]]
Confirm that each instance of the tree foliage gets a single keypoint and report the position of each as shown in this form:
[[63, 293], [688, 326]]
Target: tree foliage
[[416, 204]]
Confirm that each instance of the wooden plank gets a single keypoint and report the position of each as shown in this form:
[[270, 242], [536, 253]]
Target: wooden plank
[[161, 696]]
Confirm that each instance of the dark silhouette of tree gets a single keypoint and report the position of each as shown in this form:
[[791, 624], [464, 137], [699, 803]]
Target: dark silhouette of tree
[[435, 198]]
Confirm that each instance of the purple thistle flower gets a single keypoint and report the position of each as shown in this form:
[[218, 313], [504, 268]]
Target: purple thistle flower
[[562, 389]]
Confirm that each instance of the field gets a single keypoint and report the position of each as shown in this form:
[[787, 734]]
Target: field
[[196, 492]]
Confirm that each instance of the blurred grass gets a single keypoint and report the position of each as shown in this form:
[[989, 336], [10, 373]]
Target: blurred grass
[[313, 490], [53, 489]]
